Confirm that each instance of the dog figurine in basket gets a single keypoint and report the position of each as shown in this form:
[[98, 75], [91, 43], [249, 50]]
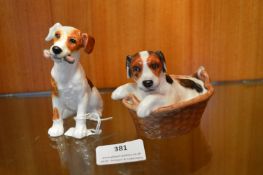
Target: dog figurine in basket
[[154, 88], [72, 92]]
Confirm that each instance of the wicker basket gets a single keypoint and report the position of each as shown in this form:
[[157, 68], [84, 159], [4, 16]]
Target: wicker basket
[[173, 120]]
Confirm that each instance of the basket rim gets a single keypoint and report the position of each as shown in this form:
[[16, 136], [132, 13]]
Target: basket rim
[[131, 102]]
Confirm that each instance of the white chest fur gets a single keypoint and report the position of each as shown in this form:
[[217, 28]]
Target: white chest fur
[[72, 84]]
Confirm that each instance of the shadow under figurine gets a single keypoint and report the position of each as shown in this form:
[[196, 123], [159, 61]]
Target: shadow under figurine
[[154, 88], [72, 93]]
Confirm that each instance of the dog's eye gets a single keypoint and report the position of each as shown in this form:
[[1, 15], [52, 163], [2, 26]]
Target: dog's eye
[[72, 40], [57, 35], [136, 69], [154, 66]]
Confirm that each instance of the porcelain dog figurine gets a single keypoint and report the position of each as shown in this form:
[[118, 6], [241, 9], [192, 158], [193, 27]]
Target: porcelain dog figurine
[[154, 88], [72, 92]]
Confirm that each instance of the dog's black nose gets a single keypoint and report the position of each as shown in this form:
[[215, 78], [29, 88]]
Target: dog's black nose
[[147, 83], [56, 50]]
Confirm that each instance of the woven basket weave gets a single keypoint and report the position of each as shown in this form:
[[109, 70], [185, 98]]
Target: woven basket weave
[[173, 120]]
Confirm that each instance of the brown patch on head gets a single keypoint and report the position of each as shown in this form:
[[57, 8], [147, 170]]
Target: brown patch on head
[[155, 64], [136, 67], [74, 40], [57, 36], [55, 114], [54, 88]]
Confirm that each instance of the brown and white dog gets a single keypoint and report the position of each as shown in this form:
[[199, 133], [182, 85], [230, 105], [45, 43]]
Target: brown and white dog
[[72, 92], [153, 87]]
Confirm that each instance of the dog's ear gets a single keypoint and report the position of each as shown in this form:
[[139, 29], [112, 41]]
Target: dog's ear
[[128, 64], [161, 56], [52, 31], [88, 42]]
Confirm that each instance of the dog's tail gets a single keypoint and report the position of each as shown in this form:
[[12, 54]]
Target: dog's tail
[[202, 75], [200, 70]]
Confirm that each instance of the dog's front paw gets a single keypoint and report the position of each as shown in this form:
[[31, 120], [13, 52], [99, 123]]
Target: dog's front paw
[[118, 94], [55, 131], [143, 111], [78, 132]]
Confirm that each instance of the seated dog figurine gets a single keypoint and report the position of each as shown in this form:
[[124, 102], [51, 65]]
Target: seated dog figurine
[[154, 88], [72, 92]]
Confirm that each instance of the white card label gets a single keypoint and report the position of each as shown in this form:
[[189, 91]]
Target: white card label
[[131, 151]]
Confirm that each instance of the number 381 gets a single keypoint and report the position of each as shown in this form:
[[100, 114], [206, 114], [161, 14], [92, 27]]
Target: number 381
[[120, 148]]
